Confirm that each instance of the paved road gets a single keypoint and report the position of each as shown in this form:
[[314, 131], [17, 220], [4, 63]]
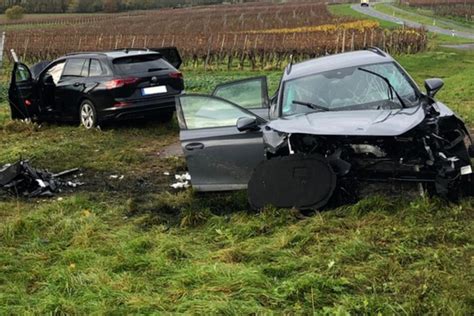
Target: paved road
[[379, 15]]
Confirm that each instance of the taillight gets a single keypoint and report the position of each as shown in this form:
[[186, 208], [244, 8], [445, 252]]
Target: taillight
[[176, 75], [27, 102], [120, 82], [121, 104]]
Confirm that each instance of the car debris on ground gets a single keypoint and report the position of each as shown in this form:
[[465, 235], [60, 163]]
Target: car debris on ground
[[116, 177], [22, 180], [182, 181]]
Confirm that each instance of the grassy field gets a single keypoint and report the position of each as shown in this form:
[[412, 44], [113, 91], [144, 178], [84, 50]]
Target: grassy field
[[427, 12], [136, 247], [434, 39], [413, 15]]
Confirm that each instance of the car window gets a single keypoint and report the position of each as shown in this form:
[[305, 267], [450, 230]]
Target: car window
[[96, 69], [56, 71], [247, 94], [73, 68], [85, 69], [22, 74], [207, 112], [139, 64], [349, 89]]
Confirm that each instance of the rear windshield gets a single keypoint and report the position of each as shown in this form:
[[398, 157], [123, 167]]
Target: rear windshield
[[140, 64]]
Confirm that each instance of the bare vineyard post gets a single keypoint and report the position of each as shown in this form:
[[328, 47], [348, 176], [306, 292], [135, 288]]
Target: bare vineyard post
[[26, 48], [2, 45], [352, 41], [206, 61], [343, 48]]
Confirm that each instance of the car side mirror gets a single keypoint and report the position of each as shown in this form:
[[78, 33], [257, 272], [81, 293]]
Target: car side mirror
[[247, 124], [433, 85]]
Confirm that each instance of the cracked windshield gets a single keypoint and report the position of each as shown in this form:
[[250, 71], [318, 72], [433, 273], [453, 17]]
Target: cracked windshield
[[349, 89]]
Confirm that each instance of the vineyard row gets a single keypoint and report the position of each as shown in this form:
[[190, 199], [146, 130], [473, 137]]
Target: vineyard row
[[224, 49]]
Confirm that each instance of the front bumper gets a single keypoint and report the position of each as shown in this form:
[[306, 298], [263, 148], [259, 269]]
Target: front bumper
[[139, 109]]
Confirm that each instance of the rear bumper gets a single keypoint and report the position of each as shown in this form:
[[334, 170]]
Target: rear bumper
[[137, 109]]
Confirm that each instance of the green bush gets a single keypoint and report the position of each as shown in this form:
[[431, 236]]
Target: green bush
[[15, 13]]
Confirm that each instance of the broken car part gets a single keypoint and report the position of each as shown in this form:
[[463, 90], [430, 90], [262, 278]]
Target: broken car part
[[21, 179], [182, 181], [302, 181]]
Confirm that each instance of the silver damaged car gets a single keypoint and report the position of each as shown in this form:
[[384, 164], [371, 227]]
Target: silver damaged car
[[334, 124]]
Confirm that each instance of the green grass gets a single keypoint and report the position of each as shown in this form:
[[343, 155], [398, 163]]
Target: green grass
[[80, 256], [132, 247], [436, 40], [346, 10], [448, 20], [456, 68], [423, 19]]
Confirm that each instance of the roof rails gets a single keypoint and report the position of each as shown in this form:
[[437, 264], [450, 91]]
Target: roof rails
[[127, 49], [376, 50], [84, 53]]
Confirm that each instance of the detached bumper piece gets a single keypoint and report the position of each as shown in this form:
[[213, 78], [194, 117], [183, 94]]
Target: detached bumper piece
[[301, 181], [22, 180]]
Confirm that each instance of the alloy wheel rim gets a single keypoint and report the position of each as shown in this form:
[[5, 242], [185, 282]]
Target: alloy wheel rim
[[87, 116]]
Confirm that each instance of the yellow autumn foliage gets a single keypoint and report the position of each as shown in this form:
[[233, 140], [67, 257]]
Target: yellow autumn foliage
[[359, 25]]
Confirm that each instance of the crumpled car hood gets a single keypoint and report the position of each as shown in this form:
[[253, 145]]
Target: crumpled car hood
[[352, 123]]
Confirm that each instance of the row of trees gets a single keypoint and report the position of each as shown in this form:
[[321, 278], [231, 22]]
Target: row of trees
[[87, 6]]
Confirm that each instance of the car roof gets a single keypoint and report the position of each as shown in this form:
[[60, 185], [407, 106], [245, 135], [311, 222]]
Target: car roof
[[112, 54], [337, 61]]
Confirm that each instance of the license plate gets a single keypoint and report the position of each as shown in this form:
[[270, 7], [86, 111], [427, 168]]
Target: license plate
[[154, 90], [466, 170]]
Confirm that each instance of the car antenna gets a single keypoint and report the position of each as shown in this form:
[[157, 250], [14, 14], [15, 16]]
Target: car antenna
[[290, 65]]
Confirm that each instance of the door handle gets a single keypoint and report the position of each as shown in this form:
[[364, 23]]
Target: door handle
[[194, 146], [77, 84]]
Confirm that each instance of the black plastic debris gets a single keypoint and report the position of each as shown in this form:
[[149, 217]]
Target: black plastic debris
[[304, 182], [21, 179]]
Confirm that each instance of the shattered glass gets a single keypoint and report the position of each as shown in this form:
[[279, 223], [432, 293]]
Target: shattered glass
[[348, 88]]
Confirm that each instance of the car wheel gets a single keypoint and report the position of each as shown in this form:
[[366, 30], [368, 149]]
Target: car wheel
[[88, 114]]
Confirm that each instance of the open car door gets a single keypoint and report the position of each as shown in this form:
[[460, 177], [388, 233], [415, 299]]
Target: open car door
[[250, 94], [171, 54], [222, 142], [21, 94]]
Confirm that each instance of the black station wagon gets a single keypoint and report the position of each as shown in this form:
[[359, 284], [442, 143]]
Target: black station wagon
[[96, 87]]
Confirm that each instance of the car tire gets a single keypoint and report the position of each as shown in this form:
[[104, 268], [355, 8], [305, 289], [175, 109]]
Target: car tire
[[88, 114]]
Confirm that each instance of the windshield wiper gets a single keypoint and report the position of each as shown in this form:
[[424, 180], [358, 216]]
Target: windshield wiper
[[392, 89], [311, 105]]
